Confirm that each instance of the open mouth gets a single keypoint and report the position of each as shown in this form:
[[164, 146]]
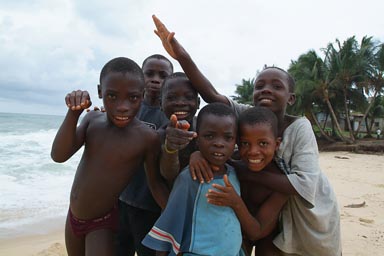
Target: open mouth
[[121, 120], [181, 114], [265, 101], [218, 156], [256, 164], [254, 161]]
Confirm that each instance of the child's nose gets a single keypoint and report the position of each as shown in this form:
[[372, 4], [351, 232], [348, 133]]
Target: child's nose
[[123, 106], [254, 150], [219, 143], [180, 101], [266, 89]]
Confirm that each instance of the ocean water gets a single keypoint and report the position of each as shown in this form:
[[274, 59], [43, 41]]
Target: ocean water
[[34, 190]]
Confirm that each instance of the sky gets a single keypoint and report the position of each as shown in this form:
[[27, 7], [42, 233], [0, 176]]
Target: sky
[[49, 48]]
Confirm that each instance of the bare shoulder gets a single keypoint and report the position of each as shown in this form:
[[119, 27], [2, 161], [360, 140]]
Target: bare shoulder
[[92, 115], [145, 131]]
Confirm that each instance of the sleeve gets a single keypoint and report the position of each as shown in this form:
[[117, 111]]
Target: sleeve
[[237, 107], [304, 162], [172, 230]]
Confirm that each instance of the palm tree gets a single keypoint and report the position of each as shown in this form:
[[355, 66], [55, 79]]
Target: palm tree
[[244, 91], [312, 83], [343, 63], [373, 83]]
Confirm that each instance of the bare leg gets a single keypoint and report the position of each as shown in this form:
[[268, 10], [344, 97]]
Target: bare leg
[[75, 245], [265, 247], [100, 242], [247, 247]]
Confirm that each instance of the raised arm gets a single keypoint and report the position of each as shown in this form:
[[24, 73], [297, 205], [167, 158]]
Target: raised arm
[[69, 137], [199, 81]]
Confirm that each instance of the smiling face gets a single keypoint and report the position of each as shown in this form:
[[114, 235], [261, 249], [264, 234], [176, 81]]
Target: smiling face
[[257, 145], [155, 71], [122, 94], [217, 138], [180, 99], [272, 91]]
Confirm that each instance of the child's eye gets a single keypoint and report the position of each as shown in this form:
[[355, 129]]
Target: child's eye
[[134, 98], [277, 86], [244, 144], [190, 97], [163, 75], [149, 73], [111, 96], [263, 144], [229, 138], [259, 86], [171, 98], [208, 136]]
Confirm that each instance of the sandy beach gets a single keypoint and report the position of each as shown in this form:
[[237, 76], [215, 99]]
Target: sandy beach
[[358, 180]]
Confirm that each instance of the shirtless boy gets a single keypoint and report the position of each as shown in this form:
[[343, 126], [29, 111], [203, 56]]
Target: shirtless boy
[[115, 144]]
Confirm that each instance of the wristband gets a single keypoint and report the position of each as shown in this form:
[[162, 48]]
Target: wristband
[[168, 150]]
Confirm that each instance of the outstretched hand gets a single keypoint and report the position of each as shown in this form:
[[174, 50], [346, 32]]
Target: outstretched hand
[[78, 100], [223, 195], [177, 134], [171, 45]]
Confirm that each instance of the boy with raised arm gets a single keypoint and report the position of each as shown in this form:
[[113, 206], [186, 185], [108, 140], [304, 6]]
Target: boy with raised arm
[[311, 213], [115, 144]]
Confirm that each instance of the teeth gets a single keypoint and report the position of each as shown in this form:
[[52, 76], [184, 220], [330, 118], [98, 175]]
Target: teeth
[[218, 154], [254, 161], [265, 100], [121, 118], [181, 113]]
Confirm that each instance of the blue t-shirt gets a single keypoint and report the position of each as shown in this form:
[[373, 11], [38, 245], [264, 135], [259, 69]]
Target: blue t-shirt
[[189, 224], [137, 193]]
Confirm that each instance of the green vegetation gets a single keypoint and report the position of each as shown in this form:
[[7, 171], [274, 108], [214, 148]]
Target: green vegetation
[[347, 79]]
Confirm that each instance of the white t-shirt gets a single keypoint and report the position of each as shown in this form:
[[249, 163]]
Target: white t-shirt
[[310, 223]]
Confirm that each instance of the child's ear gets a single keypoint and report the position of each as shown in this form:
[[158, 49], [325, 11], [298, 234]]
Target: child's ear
[[278, 141], [99, 91], [292, 99]]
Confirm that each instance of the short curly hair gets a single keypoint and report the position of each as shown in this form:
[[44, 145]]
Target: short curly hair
[[122, 65]]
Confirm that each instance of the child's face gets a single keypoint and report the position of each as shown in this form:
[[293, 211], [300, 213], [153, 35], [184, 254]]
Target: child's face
[[257, 145], [272, 91], [217, 138], [179, 99], [155, 71], [122, 95]]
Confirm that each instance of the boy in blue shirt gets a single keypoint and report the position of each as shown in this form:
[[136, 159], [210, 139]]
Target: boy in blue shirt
[[189, 224]]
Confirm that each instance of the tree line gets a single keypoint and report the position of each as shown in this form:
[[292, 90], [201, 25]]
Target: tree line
[[346, 78]]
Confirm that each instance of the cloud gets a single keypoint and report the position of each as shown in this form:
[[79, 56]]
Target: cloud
[[49, 48]]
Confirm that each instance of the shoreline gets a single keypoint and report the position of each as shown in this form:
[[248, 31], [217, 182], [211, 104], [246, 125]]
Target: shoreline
[[357, 179]]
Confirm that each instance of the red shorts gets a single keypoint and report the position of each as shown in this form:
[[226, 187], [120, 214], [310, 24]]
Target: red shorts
[[82, 227]]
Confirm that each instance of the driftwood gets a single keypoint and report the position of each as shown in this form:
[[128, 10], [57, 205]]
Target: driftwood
[[355, 205]]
